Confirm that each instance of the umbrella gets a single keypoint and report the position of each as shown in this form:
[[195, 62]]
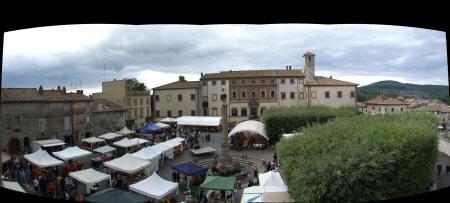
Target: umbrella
[[112, 195]]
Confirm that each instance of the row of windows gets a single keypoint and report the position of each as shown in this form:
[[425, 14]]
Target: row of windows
[[169, 113], [135, 101], [243, 94], [385, 109], [234, 111], [253, 81], [138, 113], [179, 97]]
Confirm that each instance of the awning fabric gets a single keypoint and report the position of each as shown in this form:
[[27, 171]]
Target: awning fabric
[[127, 164], [219, 183], [164, 148], [199, 120], [249, 126], [189, 169], [12, 185], [112, 195], [149, 154], [276, 197], [72, 153], [5, 157], [50, 142], [110, 136], [105, 149], [162, 125], [175, 141], [154, 186], [125, 142], [91, 140], [89, 176], [42, 159], [125, 131], [271, 178], [256, 193], [169, 120], [148, 128]]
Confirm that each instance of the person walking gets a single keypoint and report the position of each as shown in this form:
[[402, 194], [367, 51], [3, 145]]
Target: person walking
[[439, 168]]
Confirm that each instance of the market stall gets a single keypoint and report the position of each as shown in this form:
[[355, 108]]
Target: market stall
[[110, 136], [162, 125], [125, 131], [154, 186], [134, 168], [41, 160], [92, 142], [271, 178], [149, 128], [219, 183], [112, 195], [256, 193], [248, 134], [71, 153], [213, 121], [89, 177], [106, 153], [178, 144], [5, 157], [130, 145], [189, 169], [151, 155], [48, 145]]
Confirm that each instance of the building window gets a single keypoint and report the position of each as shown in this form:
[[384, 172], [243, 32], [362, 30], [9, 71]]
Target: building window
[[243, 111], [272, 94], [180, 113], [141, 101], [157, 97], [283, 81], [392, 109], [222, 82], [214, 97], [169, 113], [129, 102], [204, 83], [192, 97], [253, 94], [213, 83], [169, 97], [292, 81], [352, 94], [234, 112], [192, 112], [135, 102], [300, 81], [67, 123], [66, 106], [180, 97], [214, 111], [263, 81], [157, 113], [379, 109], [263, 94], [243, 94], [401, 109], [147, 101], [234, 95], [339, 94], [253, 81], [41, 125], [205, 98], [313, 94], [292, 95], [301, 95], [327, 94], [283, 95]]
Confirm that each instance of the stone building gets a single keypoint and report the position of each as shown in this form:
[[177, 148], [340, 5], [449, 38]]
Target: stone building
[[30, 114], [107, 116], [382, 104], [439, 109], [250, 92]]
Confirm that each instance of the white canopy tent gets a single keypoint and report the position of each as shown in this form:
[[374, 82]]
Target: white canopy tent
[[92, 140], [125, 131], [169, 120], [249, 126], [162, 125], [164, 148], [149, 154], [154, 186], [110, 136], [271, 178], [5, 157], [42, 159], [175, 141], [257, 193], [199, 120], [89, 177], [125, 142], [46, 143], [12, 185], [72, 153], [105, 149], [127, 164]]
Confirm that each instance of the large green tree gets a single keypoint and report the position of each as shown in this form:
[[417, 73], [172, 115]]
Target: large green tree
[[136, 85]]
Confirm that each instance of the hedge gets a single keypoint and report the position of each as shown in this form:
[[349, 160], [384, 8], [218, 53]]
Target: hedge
[[361, 158], [279, 120]]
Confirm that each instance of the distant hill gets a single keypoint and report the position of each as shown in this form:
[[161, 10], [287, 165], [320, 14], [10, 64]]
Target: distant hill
[[406, 90]]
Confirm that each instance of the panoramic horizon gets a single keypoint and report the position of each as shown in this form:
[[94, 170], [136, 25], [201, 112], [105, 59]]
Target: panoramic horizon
[[85, 55]]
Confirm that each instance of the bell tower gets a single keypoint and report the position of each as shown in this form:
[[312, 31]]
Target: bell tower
[[309, 69]]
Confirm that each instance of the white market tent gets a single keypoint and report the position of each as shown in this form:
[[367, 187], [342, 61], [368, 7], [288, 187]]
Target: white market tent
[[154, 186], [12, 185], [110, 136], [249, 126], [162, 125], [164, 148], [263, 193], [271, 178], [199, 120], [149, 154], [72, 153], [92, 140], [42, 159], [5, 157], [169, 120], [125, 131], [90, 177], [105, 149], [125, 142], [127, 163], [175, 141], [47, 143]]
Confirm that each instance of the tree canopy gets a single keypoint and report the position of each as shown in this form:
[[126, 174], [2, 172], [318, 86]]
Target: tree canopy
[[136, 85]]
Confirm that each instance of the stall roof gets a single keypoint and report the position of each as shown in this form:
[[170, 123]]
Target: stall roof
[[162, 125], [42, 159], [219, 183], [112, 195], [276, 197], [199, 120], [249, 126], [162, 147], [104, 149], [12, 185], [50, 142], [127, 163], [147, 153], [169, 120], [91, 140], [125, 142], [125, 131], [154, 186], [5, 157], [89, 176], [189, 169], [110, 136], [271, 178], [255, 193], [148, 128], [72, 153], [174, 142]]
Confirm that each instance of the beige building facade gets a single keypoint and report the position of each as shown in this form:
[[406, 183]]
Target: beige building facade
[[382, 105]]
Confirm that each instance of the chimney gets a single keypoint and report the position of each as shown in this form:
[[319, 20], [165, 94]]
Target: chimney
[[181, 79], [64, 89], [201, 74], [331, 77], [40, 89], [79, 91], [59, 88], [287, 67]]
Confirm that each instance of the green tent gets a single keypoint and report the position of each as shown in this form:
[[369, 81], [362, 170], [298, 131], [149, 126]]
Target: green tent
[[219, 183]]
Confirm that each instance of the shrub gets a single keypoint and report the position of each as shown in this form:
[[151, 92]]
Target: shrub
[[279, 120], [361, 158]]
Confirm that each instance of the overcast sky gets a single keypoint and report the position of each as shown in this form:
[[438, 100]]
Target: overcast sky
[[158, 54]]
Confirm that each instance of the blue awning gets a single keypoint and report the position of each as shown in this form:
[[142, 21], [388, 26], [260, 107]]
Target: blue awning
[[148, 128], [189, 169]]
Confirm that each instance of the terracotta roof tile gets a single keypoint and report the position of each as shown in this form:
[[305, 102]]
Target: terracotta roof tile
[[434, 106], [179, 85], [386, 101], [318, 80], [32, 95], [254, 74], [55, 95]]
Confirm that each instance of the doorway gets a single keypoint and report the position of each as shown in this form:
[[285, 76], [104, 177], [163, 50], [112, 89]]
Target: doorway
[[253, 113]]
